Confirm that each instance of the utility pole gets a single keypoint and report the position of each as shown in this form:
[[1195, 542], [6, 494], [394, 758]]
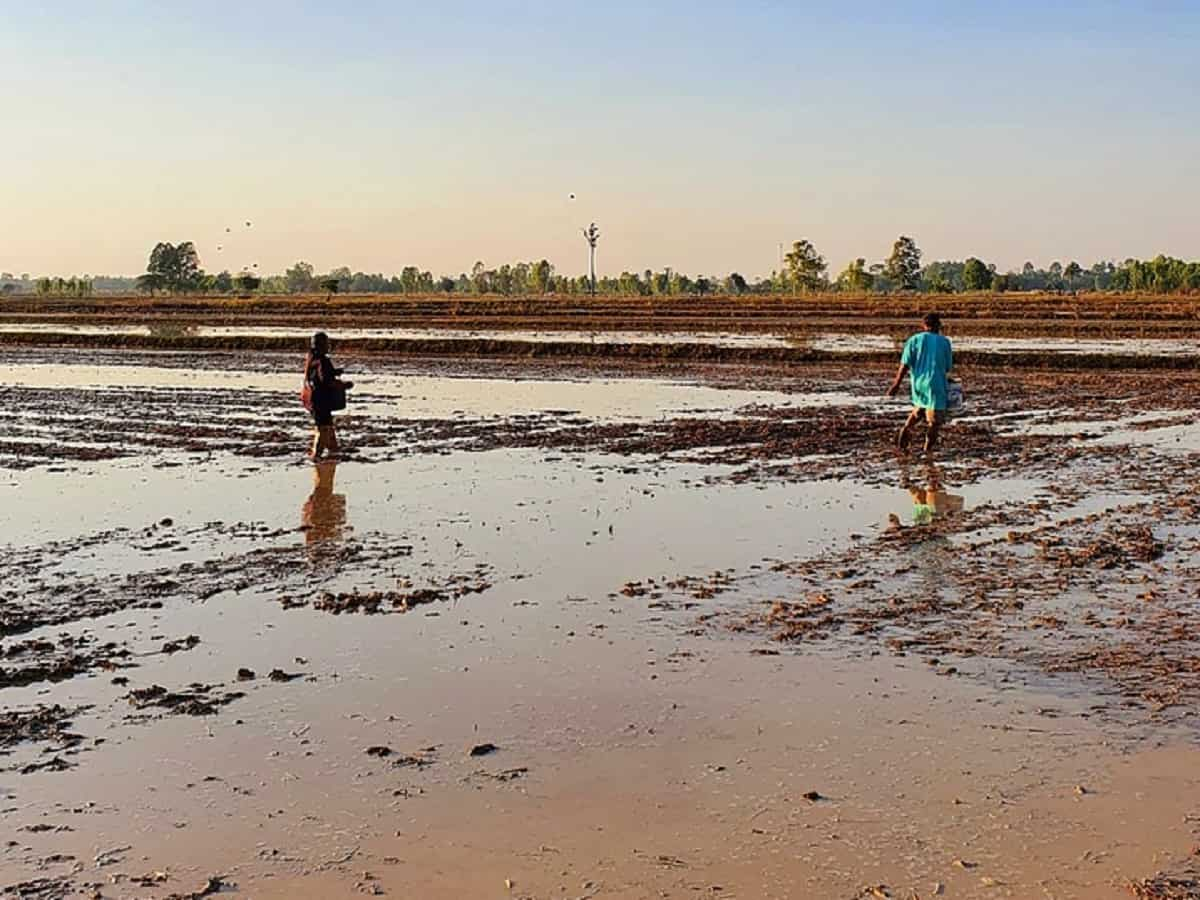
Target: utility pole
[[591, 234]]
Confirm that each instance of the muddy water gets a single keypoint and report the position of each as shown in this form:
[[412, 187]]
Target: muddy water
[[833, 342], [857, 343], [723, 339], [638, 753]]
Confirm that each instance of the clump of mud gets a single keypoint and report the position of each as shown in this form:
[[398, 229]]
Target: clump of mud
[[194, 700]]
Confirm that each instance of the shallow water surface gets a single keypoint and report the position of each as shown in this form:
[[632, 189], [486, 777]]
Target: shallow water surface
[[827, 341], [584, 612]]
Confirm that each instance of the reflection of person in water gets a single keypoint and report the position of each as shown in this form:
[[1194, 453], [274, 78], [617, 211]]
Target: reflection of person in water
[[930, 501], [324, 512]]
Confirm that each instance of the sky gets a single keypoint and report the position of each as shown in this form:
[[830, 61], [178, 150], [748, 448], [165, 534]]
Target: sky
[[699, 136]]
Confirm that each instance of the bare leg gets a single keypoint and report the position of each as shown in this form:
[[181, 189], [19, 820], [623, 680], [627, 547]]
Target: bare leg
[[904, 438], [318, 443], [931, 436], [331, 441]]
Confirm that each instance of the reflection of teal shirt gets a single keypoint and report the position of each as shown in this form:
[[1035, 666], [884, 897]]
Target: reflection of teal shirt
[[929, 359]]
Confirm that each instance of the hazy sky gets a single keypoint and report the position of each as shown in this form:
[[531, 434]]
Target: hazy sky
[[698, 135]]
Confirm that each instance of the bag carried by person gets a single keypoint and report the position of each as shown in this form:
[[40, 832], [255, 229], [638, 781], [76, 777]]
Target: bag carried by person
[[954, 397], [334, 397], [306, 392]]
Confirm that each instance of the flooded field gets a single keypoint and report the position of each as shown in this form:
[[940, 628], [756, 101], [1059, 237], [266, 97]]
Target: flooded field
[[549, 632], [825, 341]]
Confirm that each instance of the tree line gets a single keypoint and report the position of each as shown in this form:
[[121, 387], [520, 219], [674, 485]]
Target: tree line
[[806, 270], [176, 269]]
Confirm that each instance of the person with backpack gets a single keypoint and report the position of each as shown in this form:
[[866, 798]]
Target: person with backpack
[[324, 394], [928, 358]]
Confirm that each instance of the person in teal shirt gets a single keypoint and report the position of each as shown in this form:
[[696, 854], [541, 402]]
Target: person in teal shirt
[[927, 358]]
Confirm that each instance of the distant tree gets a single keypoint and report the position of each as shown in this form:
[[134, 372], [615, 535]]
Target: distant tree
[[904, 265], [735, 284], [806, 267], [937, 282], [150, 283], [223, 282], [445, 284], [177, 264], [1072, 273], [1054, 276], [343, 276], [329, 285], [1003, 283], [855, 277], [540, 274], [299, 278], [629, 284], [409, 278], [679, 284], [976, 276], [703, 285], [1102, 273], [480, 278], [247, 283], [520, 278]]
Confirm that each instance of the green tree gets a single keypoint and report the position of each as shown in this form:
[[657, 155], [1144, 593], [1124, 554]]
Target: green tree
[[679, 284], [522, 278], [806, 267], [540, 274], [976, 276], [1072, 273], [299, 278], [735, 284], [150, 283], [629, 284], [903, 267], [409, 279], [247, 283], [855, 277], [480, 278], [177, 264]]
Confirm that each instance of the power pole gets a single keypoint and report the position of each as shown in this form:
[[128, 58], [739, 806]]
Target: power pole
[[591, 234]]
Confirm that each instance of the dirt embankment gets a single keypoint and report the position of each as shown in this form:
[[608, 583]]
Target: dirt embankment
[[1093, 315]]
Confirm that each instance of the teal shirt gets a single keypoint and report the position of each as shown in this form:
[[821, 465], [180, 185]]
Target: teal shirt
[[929, 359]]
